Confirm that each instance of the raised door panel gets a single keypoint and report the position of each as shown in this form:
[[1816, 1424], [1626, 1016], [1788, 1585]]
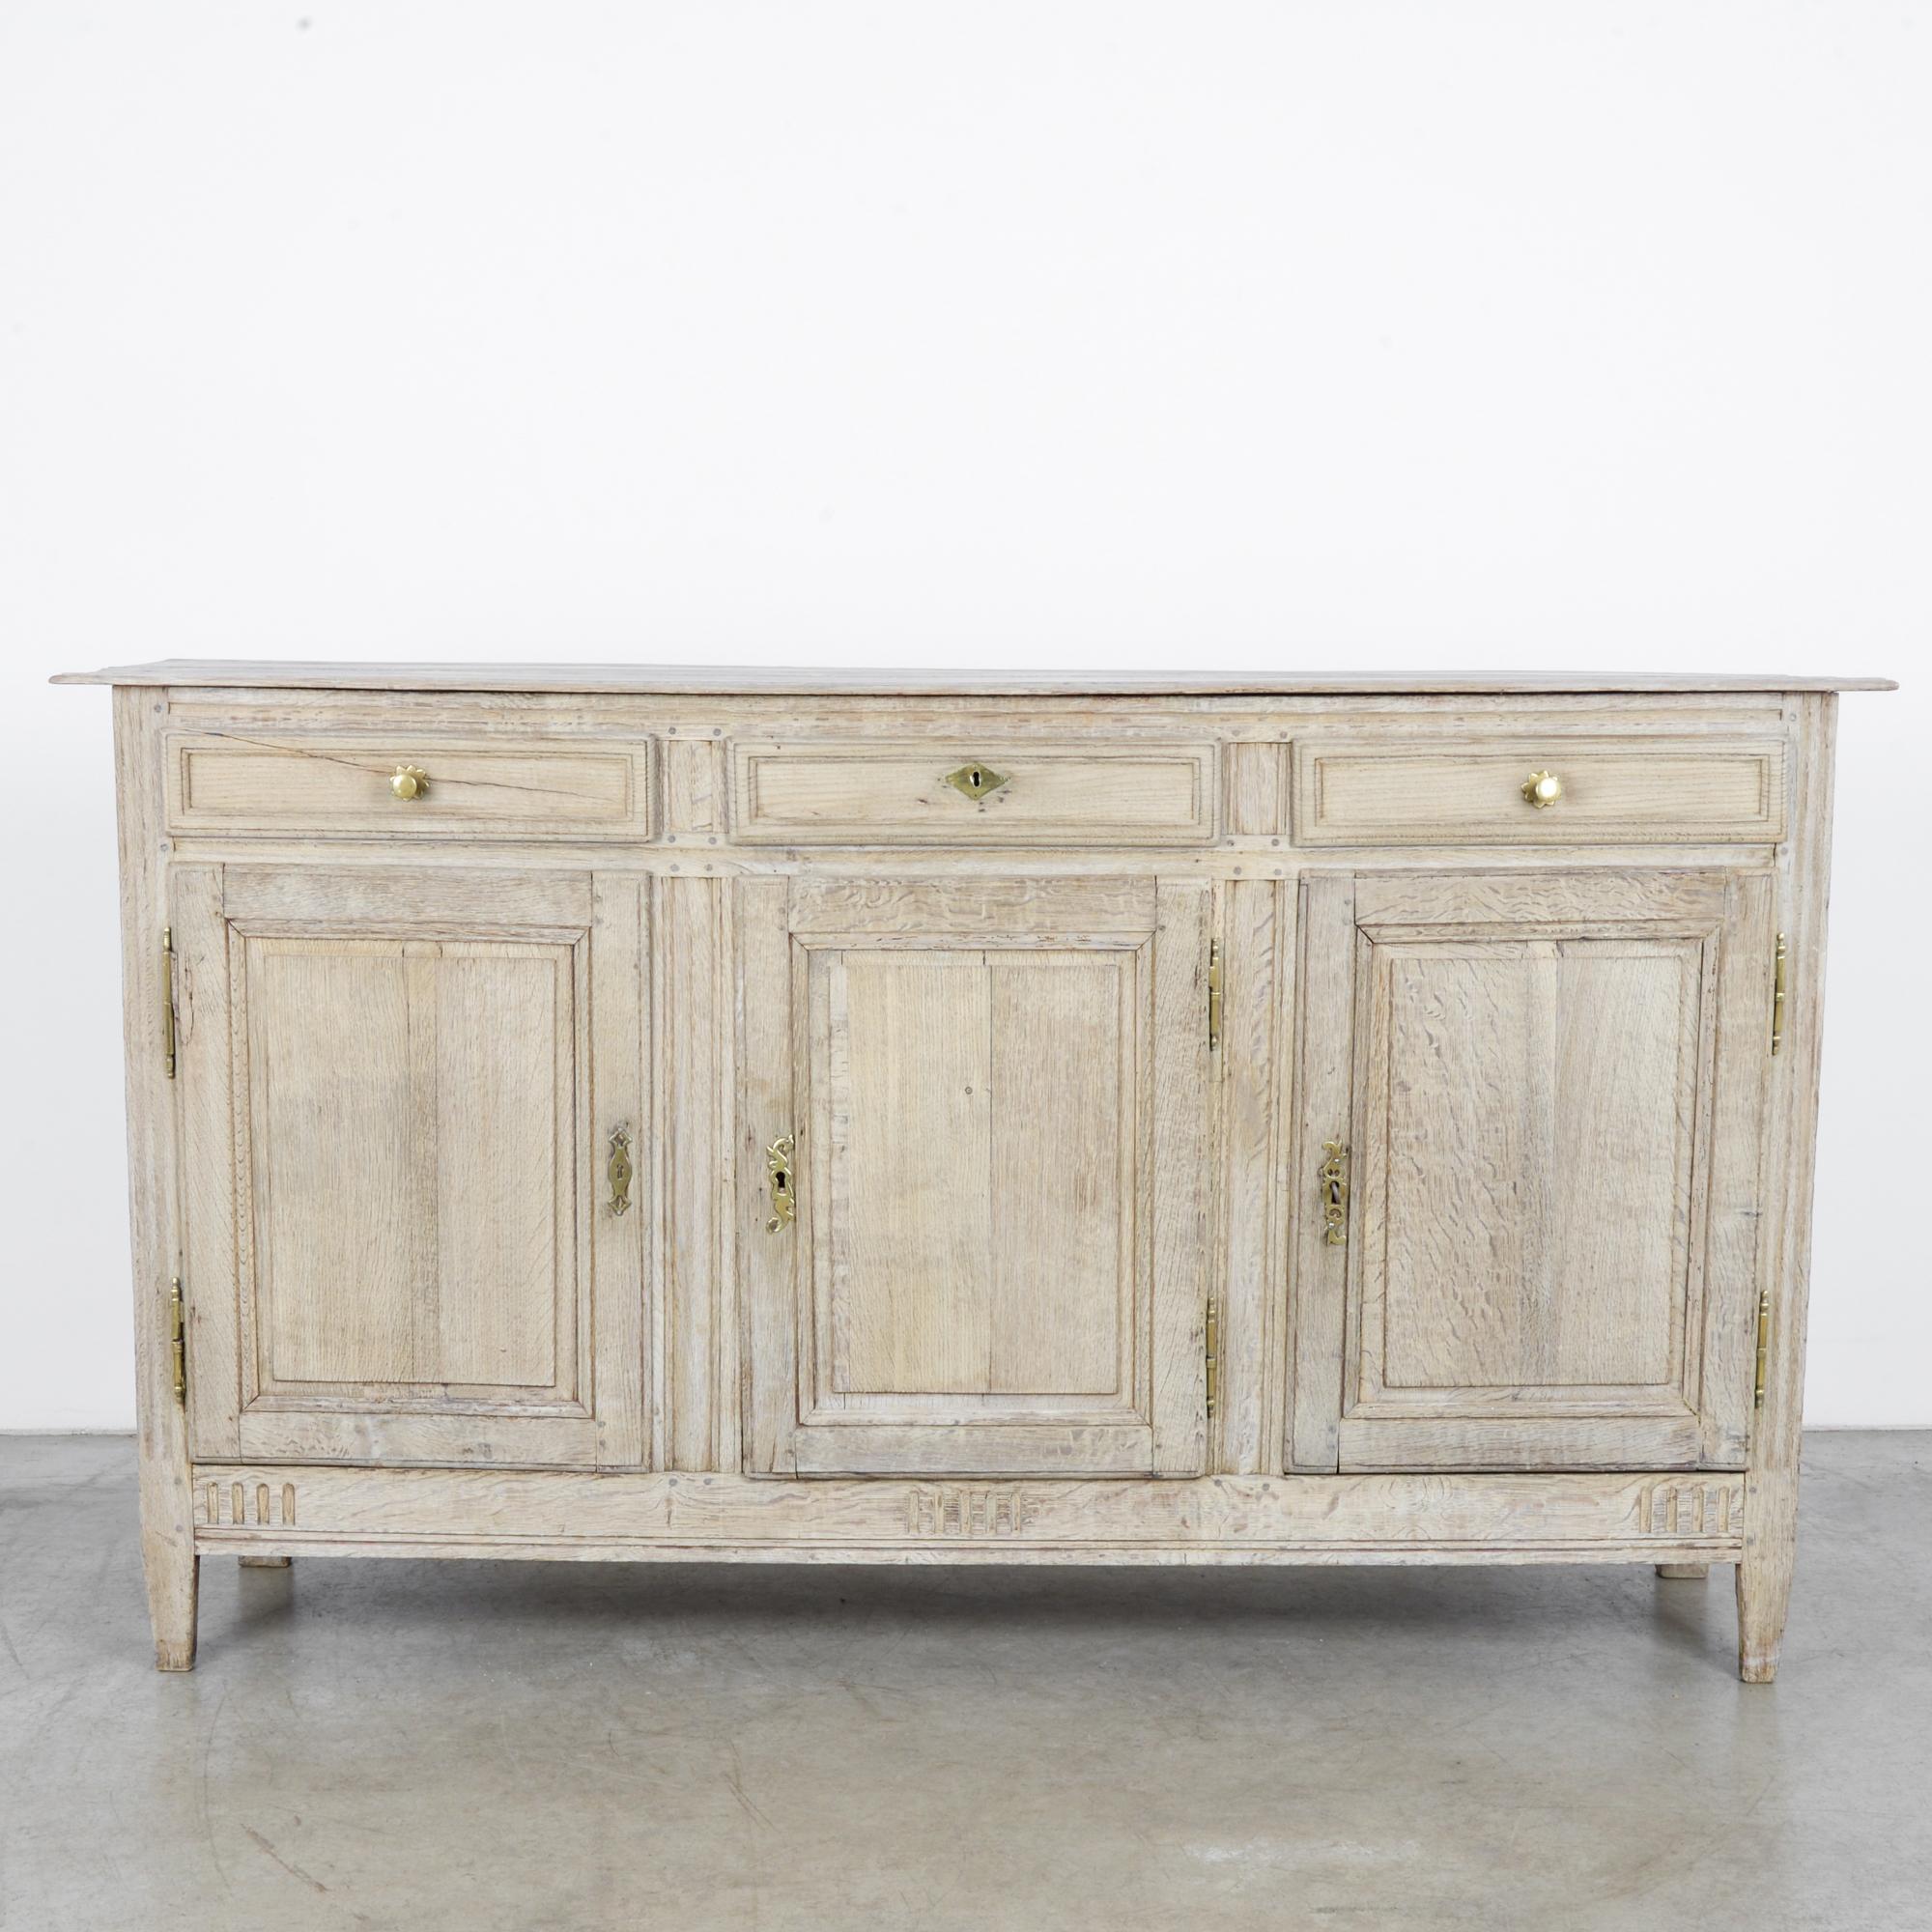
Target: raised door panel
[[405, 1255], [1549, 1255], [997, 1101]]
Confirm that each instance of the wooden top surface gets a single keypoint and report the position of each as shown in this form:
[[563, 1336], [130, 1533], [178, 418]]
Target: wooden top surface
[[754, 680]]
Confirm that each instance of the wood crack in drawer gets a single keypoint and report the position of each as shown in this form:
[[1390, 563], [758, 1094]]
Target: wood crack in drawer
[[344, 787]]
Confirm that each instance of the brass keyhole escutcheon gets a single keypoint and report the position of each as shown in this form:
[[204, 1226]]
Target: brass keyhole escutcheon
[[1333, 1175], [976, 780], [777, 1176], [619, 1170]]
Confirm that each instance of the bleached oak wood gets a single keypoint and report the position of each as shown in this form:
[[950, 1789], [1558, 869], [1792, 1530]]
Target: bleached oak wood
[[693, 1094], [1323, 1103], [867, 793], [1538, 1102], [270, 674], [1640, 1517], [1689, 1573], [168, 1556], [1469, 791], [720, 907], [1257, 790], [1257, 929], [1771, 1515], [397, 1222], [1178, 1201], [998, 1260], [338, 786]]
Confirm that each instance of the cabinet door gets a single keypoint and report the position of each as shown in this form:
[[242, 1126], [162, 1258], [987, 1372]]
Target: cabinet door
[[997, 1095], [399, 1089], [1549, 1092]]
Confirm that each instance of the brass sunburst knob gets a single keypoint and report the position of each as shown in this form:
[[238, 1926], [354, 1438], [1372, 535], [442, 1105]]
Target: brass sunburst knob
[[409, 781], [1542, 789]]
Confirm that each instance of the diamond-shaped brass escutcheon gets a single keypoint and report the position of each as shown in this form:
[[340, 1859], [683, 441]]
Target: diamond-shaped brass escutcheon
[[976, 781]]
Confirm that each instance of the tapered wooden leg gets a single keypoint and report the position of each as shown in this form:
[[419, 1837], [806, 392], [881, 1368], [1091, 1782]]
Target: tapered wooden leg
[[174, 1578], [264, 1562], [1764, 1574], [1690, 1572]]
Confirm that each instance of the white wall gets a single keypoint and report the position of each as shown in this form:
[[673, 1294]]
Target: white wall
[[1070, 332]]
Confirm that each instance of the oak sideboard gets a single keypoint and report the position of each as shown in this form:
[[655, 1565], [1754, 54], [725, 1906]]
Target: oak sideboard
[[850, 1117]]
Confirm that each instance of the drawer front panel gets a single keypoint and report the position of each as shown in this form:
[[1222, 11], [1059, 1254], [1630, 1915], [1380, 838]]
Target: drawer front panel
[[1472, 793], [319, 787], [955, 793]]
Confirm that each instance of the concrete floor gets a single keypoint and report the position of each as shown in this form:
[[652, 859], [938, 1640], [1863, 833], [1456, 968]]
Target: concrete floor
[[507, 1747]]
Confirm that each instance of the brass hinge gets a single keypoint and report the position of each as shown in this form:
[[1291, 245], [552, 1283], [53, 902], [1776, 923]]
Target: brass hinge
[[1763, 1345], [1213, 996], [177, 1339], [1213, 1354], [168, 999], [1778, 996]]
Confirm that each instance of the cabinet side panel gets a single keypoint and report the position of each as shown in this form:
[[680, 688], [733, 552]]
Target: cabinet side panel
[[1770, 1501], [167, 1508], [1735, 1242], [211, 1273]]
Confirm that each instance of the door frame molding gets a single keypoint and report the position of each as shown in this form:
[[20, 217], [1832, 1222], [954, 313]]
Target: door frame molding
[[778, 922]]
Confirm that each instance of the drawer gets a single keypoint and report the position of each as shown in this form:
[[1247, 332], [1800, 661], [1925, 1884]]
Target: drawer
[[1470, 791], [322, 785], [862, 792]]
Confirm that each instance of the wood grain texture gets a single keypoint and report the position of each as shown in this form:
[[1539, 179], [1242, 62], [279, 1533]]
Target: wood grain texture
[[1732, 1255], [209, 1233], [979, 1281], [331, 785], [1257, 790], [404, 1155], [1529, 1188], [1535, 1115], [1324, 1111], [1771, 1509], [625, 1347], [886, 910], [1469, 791], [407, 1032], [270, 673], [1640, 1517], [692, 1088], [169, 1563], [1257, 926], [1181, 1191], [865, 792], [694, 789], [768, 1107]]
